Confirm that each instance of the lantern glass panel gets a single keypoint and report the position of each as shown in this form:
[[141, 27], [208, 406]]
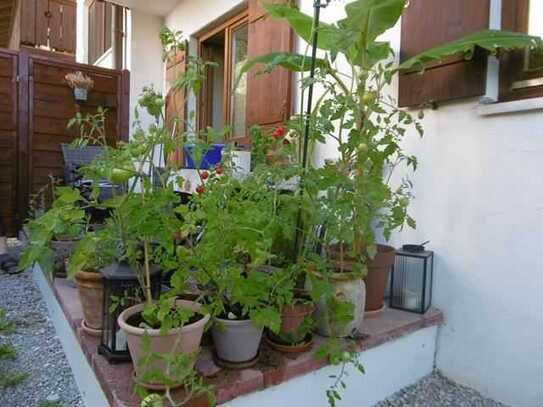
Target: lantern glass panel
[[411, 281], [121, 291]]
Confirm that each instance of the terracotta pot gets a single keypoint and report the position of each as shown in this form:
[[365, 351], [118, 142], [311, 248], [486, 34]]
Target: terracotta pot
[[91, 294], [185, 340], [348, 287], [236, 341], [301, 347], [293, 316], [377, 278]]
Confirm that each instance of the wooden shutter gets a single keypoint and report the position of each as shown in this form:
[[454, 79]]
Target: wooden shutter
[[100, 14], [28, 22], [176, 101], [42, 22], [62, 23], [269, 96], [428, 23]]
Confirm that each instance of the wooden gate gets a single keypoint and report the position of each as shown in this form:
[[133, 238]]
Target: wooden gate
[[40, 115], [8, 138]]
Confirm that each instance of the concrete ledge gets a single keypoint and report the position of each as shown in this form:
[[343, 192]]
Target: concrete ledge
[[406, 336]]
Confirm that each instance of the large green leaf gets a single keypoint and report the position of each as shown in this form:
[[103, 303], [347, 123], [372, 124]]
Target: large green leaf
[[302, 24], [292, 62], [489, 40], [371, 18]]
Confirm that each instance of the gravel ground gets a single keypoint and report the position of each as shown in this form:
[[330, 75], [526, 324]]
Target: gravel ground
[[437, 391], [39, 352]]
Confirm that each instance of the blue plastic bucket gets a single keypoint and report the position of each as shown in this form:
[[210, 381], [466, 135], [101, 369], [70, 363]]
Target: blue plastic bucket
[[212, 158]]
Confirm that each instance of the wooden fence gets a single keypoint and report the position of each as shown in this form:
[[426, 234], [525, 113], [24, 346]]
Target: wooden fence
[[35, 106]]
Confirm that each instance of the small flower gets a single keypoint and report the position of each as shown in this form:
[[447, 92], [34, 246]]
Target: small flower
[[286, 142], [279, 133], [219, 169], [205, 175], [200, 189]]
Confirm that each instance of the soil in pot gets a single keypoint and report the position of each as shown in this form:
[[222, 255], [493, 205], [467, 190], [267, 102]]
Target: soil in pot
[[184, 340], [377, 279], [236, 342], [91, 294]]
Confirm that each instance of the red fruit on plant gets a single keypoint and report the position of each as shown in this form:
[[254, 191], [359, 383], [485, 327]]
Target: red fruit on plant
[[279, 133], [200, 189], [205, 175]]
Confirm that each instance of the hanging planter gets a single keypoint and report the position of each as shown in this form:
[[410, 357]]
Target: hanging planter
[[81, 85]]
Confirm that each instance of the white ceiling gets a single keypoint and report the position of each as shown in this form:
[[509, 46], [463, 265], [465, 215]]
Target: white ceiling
[[156, 7]]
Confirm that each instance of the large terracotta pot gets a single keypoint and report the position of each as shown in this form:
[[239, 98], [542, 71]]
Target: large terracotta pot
[[91, 294], [185, 340], [348, 287], [377, 278]]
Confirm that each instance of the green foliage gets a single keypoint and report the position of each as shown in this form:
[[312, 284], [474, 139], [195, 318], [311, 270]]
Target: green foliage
[[65, 220], [12, 379], [91, 128], [492, 41], [241, 219], [94, 251], [8, 352], [6, 327]]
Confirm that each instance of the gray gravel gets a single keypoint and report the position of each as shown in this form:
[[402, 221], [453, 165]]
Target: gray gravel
[[438, 391], [39, 352]]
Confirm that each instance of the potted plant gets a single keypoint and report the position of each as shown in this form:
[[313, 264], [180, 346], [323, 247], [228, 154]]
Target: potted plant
[[81, 85], [93, 252], [144, 222], [229, 261], [53, 234]]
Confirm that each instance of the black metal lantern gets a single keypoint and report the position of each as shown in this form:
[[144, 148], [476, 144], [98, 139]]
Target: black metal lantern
[[121, 291], [411, 279]]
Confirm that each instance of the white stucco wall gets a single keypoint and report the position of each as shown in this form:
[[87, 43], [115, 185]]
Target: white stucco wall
[[145, 64], [389, 368]]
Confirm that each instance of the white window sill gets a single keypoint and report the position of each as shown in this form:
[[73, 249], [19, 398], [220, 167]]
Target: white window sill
[[524, 105]]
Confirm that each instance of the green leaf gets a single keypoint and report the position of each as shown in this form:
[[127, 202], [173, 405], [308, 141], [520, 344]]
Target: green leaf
[[371, 18], [292, 62], [302, 24], [491, 41]]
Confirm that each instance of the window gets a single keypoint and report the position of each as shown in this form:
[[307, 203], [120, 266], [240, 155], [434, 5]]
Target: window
[[522, 72], [222, 100]]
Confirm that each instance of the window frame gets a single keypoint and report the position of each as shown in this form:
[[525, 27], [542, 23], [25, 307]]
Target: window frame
[[515, 15], [203, 99]]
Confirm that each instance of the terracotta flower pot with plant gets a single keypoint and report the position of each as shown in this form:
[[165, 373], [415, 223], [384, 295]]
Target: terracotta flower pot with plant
[[54, 234], [376, 280], [91, 294], [177, 342], [93, 252], [296, 326]]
